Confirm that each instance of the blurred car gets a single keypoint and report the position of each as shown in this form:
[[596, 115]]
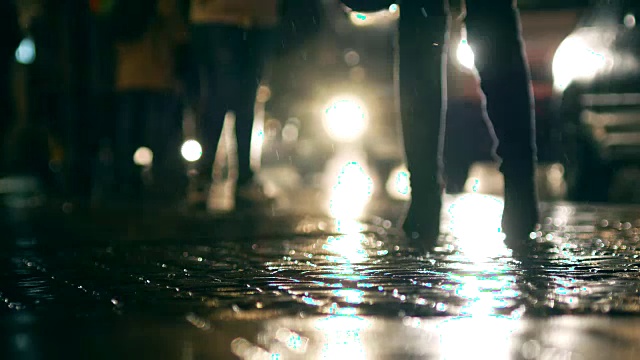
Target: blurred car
[[545, 23], [597, 88]]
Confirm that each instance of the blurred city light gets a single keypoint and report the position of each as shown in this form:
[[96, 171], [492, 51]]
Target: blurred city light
[[382, 18], [143, 156], [191, 150], [343, 336], [465, 55], [576, 60], [351, 193], [345, 119], [476, 216], [398, 185], [630, 21], [26, 51]]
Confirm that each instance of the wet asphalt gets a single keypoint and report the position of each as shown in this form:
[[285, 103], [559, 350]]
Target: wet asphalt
[[295, 282]]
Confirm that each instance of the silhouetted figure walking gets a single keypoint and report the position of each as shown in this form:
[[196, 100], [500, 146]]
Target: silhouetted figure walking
[[230, 39], [493, 32], [9, 40]]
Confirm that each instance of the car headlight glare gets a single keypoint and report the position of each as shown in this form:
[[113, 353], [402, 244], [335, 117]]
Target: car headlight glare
[[191, 150], [575, 60], [465, 55], [345, 119]]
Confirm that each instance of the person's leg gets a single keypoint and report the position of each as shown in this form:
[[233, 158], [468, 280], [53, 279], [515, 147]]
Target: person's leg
[[251, 54], [127, 140], [163, 137], [213, 57], [494, 35], [422, 81]]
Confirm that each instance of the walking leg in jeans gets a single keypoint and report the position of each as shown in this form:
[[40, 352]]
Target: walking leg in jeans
[[250, 56], [213, 56], [493, 31], [244, 104], [422, 82]]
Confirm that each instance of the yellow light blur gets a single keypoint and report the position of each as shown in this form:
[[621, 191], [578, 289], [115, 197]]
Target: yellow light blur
[[377, 18], [342, 337], [346, 249], [398, 185], [358, 19], [351, 193], [486, 287], [576, 60], [465, 55], [345, 119], [475, 220], [143, 156], [191, 150]]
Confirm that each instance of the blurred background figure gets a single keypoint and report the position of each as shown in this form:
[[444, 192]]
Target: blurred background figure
[[148, 123], [231, 43], [9, 39]]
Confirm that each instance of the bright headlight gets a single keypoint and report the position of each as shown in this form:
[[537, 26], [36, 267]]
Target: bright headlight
[[345, 119], [576, 60], [191, 150], [465, 55]]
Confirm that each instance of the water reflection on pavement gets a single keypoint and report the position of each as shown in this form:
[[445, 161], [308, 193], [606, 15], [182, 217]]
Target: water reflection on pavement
[[293, 286]]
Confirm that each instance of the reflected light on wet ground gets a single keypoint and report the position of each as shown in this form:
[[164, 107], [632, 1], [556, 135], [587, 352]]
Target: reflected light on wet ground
[[351, 191], [342, 337], [344, 286], [475, 222]]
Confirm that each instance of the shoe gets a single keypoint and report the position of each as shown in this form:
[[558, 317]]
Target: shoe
[[252, 194], [422, 223], [520, 215], [198, 188]]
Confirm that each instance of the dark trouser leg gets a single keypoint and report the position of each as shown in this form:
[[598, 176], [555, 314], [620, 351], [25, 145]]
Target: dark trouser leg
[[213, 58], [250, 59], [494, 35], [422, 81], [128, 139], [163, 133], [6, 111]]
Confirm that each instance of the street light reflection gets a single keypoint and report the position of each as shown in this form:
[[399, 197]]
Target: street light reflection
[[347, 249], [475, 222], [351, 193], [479, 322], [342, 337]]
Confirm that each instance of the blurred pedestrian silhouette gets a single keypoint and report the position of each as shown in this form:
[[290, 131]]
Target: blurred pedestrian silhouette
[[231, 42], [10, 35], [493, 32], [148, 129]]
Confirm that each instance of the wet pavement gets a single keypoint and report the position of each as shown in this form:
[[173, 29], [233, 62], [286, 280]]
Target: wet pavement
[[291, 282]]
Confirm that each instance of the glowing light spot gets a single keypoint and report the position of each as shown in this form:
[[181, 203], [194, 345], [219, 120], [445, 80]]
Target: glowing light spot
[[630, 21], [393, 8], [143, 156], [351, 193], [191, 150], [398, 185], [345, 119], [465, 55], [26, 51]]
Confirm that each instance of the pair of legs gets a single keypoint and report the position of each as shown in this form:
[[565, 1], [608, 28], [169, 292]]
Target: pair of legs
[[149, 119], [229, 61], [493, 32]]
